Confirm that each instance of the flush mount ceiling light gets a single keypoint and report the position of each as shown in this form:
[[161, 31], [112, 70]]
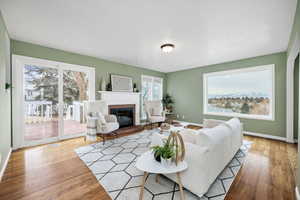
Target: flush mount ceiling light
[[167, 48]]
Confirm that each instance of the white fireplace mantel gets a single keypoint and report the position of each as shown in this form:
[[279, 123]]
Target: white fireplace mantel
[[122, 98]]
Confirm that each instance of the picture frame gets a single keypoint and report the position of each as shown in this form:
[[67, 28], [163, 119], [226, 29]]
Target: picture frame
[[121, 83]]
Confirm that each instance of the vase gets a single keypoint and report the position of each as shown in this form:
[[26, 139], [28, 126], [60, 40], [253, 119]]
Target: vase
[[156, 157], [103, 85], [166, 162]]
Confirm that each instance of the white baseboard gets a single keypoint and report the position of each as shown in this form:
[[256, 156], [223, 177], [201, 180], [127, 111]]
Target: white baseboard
[[297, 193], [265, 136], [249, 133], [5, 164]]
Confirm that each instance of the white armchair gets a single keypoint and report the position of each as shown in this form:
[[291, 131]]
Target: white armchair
[[154, 111], [98, 119]]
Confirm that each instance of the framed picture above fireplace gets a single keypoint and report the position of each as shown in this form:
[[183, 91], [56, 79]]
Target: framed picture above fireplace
[[121, 83]]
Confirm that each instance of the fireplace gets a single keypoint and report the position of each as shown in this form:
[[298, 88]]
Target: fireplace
[[125, 114]]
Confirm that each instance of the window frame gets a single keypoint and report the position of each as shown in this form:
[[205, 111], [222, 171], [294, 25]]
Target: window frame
[[270, 117]]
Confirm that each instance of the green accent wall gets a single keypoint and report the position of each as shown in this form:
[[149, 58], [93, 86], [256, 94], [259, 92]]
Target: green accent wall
[[187, 89], [102, 67], [5, 111]]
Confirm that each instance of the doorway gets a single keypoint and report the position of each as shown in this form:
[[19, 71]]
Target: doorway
[[48, 100]]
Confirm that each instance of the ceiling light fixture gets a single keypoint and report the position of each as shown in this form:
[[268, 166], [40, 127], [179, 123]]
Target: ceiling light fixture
[[167, 48]]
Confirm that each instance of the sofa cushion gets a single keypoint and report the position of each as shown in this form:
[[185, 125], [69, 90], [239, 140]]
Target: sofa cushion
[[189, 135], [209, 137], [202, 139], [211, 123]]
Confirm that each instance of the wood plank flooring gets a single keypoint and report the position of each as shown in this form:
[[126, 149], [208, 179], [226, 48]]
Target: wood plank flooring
[[54, 172]]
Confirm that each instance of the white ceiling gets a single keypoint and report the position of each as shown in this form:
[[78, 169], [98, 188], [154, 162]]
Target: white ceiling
[[131, 31]]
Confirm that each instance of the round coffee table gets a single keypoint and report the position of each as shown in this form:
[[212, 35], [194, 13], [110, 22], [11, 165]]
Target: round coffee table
[[148, 164]]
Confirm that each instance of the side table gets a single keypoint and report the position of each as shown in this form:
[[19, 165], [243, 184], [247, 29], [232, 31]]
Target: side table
[[170, 117], [148, 164]]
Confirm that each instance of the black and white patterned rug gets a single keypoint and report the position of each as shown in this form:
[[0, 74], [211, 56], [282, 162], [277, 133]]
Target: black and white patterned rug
[[113, 164]]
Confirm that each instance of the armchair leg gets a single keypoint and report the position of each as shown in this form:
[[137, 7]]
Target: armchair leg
[[115, 134], [103, 139]]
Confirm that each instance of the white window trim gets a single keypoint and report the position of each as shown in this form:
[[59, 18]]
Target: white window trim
[[18, 95], [153, 77], [271, 117]]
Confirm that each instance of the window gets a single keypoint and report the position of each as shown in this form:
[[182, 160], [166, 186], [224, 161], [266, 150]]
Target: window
[[152, 89], [246, 93]]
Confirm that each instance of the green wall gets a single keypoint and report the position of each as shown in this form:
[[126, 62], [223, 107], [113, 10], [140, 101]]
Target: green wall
[[5, 112], [102, 67], [187, 89]]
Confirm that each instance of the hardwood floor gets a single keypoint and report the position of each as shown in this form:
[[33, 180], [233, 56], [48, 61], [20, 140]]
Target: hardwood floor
[[55, 172], [267, 173]]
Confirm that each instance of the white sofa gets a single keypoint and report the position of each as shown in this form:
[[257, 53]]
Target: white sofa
[[208, 151]]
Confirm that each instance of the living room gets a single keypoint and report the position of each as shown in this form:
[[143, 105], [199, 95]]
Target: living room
[[149, 100]]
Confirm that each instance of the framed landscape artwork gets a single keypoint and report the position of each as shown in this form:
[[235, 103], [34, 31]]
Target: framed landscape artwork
[[245, 93], [121, 83]]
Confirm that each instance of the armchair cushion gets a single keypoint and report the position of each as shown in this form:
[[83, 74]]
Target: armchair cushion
[[108, 127], [156, 111], [154, 119], [110, 118]]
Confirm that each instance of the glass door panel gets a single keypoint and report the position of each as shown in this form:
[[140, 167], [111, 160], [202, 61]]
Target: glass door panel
[[40, 89], [75, 92]]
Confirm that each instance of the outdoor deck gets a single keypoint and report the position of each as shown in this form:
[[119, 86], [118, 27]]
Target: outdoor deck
[[47, 129]]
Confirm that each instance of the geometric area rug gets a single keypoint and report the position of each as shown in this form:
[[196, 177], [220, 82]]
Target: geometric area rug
[[113, 164]]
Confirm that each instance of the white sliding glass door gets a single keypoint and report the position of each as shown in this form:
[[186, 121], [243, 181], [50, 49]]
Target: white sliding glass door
[[40, 103], [48, 100], [75, 92]]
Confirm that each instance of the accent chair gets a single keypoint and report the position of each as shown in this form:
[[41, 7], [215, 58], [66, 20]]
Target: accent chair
[[154, 111], [97, 116]]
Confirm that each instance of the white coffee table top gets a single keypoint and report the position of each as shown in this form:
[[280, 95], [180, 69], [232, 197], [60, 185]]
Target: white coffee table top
[[147, 163]]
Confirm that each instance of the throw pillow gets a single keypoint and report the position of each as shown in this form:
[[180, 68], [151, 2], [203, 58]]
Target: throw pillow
[[93, 114], [101, 118]]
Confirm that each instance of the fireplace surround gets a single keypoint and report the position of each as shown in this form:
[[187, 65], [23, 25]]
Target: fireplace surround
[[125, 114], [123, 98]]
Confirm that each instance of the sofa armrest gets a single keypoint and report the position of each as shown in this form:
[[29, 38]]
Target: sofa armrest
[[110, 118]]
